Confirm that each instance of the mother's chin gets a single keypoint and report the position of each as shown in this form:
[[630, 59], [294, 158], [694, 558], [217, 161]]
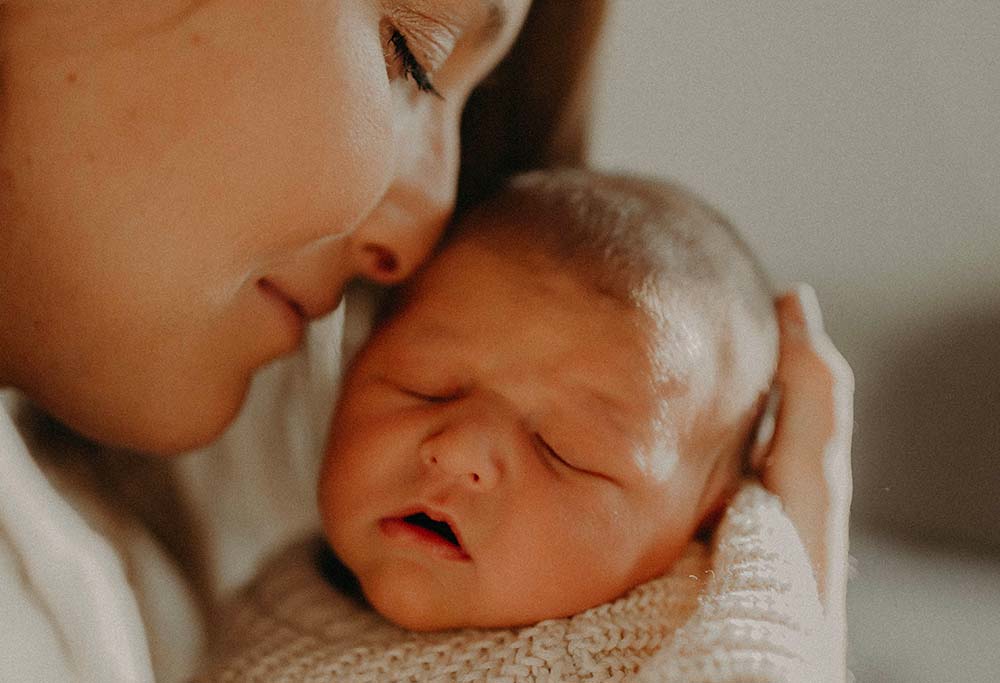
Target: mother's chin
[[166, 417]]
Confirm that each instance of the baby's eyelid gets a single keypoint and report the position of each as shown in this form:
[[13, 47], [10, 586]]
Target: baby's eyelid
[[431, 397], [553, 453]]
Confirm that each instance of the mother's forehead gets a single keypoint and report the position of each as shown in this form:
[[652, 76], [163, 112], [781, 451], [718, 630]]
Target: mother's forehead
[[496, 18]]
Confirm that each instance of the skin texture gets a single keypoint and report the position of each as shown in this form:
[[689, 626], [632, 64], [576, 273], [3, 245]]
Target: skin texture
[[184, 185], [122, 125], [809, 463], [451, 409]]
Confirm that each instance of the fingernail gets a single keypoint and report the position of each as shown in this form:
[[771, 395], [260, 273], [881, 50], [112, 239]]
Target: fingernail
[[810, 309], [765, 429]]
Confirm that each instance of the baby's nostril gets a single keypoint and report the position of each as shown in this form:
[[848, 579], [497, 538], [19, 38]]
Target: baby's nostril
[[386, 263]]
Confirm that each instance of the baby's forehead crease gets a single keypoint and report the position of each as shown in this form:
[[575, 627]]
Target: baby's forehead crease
[[621, 412], [629, 413], [430, 326]]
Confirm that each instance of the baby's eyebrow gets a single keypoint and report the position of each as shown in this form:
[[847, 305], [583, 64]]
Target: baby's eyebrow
[[437, 331], [605, 400], [605, 409]]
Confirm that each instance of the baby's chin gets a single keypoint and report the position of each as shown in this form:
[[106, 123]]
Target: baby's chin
[[411, 603], [413, 609], [414, 618], [421, 610]]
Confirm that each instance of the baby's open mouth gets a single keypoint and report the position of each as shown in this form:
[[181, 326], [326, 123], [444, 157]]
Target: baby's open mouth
[[436, 536], [442, 529]]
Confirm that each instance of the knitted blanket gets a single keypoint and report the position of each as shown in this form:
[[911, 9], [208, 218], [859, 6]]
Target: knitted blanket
[[745, 609]]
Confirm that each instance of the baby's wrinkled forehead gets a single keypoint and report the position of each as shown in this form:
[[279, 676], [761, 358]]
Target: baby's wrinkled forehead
[[651, 245], [525, 309], [674, 324]]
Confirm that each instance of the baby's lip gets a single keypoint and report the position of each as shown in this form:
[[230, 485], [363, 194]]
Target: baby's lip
[[424, 526]]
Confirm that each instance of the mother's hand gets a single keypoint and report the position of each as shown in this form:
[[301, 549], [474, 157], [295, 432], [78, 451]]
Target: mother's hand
[[809, 463]]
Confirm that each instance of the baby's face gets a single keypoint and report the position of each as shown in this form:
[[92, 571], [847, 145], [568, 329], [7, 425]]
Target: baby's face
[[501, 455]]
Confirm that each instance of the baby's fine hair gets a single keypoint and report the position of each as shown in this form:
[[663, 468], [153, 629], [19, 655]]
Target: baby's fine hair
[[621, 234], [642, 241]]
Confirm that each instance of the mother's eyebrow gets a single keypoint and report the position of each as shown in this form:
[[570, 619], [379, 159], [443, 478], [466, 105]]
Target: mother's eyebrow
[[496, 21]]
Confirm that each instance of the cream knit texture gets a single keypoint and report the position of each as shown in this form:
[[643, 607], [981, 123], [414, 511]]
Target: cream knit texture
[[746, 609]]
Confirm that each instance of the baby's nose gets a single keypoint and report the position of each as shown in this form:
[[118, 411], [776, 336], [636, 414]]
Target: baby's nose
[[464, 453]]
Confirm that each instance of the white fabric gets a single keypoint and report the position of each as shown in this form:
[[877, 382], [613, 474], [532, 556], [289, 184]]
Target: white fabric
[[62, 581], [749, 612], [255, 488], [88, 593]]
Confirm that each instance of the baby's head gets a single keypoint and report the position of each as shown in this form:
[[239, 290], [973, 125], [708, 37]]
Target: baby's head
[[552, 408]]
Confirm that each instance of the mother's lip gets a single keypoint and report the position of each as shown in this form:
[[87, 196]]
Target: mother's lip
[[270, 289], [306, 305]]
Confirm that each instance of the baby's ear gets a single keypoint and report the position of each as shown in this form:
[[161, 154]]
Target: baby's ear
[[763, 432]]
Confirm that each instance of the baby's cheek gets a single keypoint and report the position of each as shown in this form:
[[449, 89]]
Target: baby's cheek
[[622, 536], [661, 538], [339, 491], [578, 559], [417, 597], [327, 510]]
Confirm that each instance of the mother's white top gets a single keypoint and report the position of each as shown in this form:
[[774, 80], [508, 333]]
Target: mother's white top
[[110, 561]]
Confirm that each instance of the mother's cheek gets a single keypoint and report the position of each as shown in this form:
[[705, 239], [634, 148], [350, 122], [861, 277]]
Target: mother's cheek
[[340, 125]]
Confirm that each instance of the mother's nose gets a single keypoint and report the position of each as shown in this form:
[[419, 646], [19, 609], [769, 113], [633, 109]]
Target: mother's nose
[[413, 213]]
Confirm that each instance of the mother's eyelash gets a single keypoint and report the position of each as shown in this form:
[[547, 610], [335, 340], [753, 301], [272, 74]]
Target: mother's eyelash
[[411, 67]]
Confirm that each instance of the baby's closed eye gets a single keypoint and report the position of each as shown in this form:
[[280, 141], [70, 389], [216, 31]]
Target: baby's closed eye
[[553, 456], [422, 389], [430, 395], [566, 461]]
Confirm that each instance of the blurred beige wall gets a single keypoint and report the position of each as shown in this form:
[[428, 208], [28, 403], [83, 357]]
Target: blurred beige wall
[[858, 147]]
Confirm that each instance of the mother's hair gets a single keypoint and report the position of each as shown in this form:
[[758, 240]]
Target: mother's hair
[[533, 109]]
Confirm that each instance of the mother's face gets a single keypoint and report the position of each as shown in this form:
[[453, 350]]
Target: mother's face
[[184, 183]]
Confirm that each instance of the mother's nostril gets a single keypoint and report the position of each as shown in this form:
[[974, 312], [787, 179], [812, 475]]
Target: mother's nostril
[[384, 263]]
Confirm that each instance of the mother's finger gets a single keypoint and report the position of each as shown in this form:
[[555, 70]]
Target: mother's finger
[[808, 466]]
